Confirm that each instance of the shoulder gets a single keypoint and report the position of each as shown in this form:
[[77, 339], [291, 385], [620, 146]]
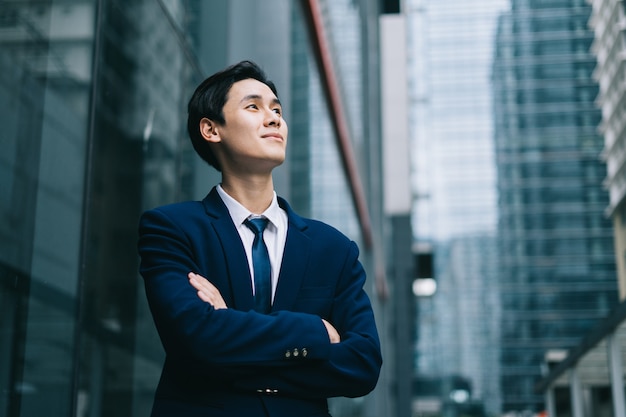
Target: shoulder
[[176, 209], [318, 228], [182, 216], [320, 232], [211, 204]]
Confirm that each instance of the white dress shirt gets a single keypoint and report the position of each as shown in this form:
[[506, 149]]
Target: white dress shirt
[[274, 235]]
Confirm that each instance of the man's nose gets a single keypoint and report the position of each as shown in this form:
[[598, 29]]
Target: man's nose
[[273, 118]]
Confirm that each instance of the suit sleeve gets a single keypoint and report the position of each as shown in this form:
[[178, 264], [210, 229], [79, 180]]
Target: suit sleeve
[[199, 338], [353, 365], [249, 350]]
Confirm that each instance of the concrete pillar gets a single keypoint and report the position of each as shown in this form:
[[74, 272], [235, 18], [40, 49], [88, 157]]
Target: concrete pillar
[[576, 393], [617, 375]]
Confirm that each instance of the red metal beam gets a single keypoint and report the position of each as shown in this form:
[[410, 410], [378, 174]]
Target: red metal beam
[[313, 15]]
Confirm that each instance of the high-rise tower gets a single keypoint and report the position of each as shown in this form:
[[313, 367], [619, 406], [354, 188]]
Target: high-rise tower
[[557, 274]]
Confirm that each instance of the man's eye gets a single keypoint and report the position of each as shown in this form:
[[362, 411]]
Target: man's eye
[[252, 106], [278, 111]]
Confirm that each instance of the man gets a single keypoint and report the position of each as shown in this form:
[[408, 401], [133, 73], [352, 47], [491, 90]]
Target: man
[[265, 320]]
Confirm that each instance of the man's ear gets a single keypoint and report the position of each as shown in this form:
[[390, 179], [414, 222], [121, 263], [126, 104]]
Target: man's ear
[[209, 130]]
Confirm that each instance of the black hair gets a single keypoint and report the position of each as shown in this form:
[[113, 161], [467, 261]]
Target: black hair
[[209, 98]]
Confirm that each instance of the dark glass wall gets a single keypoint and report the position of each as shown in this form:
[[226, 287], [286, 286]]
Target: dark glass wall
[[94, 96], [139, 158], [45, 89]]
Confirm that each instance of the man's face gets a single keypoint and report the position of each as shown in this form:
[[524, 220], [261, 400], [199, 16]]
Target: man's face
[[254, 135]]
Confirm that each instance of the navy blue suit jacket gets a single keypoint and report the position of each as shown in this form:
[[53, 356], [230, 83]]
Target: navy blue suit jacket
[[235, 361]]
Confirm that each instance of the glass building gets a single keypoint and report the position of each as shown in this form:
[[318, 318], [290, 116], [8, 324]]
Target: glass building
[[557, 275], [508, 192], [454, 197], [94, 96]]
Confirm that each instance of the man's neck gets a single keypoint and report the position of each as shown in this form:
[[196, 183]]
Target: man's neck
[[255, 194]]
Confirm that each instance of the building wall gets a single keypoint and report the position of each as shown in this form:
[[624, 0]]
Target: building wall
[[95, 96], [607, 21], [454, 200], [619, 229], [557, 269], [397, 208]]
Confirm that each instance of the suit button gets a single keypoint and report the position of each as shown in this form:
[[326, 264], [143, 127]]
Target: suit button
[[288, 354], [295, 352], [267, 391], [304, 352]]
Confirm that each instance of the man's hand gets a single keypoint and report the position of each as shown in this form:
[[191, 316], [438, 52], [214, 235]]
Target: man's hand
[[333, 335], [210, 294], [207, 291]]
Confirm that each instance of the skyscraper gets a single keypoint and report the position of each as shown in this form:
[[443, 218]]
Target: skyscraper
[[608, 47], [557, 274], [454, 195]]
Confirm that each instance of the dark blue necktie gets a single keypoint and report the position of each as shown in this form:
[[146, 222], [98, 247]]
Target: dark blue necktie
[[261, 266]]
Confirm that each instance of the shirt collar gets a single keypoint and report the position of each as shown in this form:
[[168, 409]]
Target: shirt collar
[[239, 213]]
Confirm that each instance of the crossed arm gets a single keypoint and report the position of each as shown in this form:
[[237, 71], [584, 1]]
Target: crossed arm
[[201, 333], [208, 293]]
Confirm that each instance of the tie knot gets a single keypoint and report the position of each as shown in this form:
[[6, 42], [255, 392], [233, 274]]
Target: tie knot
[[257, 225]]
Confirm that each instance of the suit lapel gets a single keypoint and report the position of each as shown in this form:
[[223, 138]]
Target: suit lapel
[[295, 261], [293, 268], [238, 280]]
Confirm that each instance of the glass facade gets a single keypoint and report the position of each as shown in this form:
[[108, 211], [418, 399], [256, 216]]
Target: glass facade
[[94, 96], [508, 191], [557, 274], [455, 206], [315, 184]]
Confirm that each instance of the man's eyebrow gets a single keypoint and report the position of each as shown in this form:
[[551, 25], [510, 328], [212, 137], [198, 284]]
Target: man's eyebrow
[[275, 100]]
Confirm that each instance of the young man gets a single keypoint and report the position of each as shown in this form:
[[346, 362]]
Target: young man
[[261, 312]]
